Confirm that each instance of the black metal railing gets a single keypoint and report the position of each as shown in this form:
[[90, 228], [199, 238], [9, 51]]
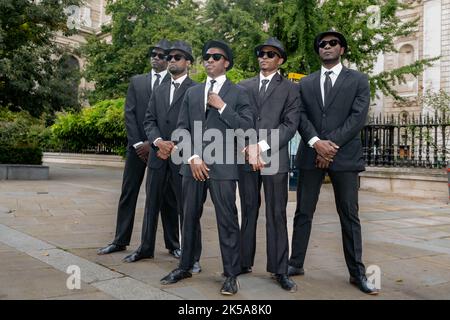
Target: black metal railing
[[415, 141]]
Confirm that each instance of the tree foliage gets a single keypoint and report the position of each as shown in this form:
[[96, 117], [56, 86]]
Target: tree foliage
[[31, 78]]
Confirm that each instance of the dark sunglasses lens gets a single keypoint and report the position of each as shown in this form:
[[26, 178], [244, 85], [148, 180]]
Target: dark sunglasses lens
[[159, 55], [270, 54], [332, 43], [177, 57], [215, 56]]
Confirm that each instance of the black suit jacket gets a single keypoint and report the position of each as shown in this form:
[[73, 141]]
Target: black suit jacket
[[161, 117], [279, 110], [340, 120], [138, 96], [238, 114]]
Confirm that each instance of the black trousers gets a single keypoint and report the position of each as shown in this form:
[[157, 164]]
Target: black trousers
[[345, 186], [276, 196], [223, 195], [163, 194], [133, 175]]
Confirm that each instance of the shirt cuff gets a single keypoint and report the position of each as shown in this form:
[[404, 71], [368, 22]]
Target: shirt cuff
[[263, 145], [193, 157], [223, 108], [137, 144], [312, 141], [154, 142]]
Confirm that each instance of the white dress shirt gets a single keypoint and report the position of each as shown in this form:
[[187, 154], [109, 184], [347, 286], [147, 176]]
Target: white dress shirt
[[216, 89], [154, 77], [263, 143], [336, 71], [172, 91]]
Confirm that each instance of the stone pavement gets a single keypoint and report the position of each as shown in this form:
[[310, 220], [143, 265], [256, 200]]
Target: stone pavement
[[46, 226]]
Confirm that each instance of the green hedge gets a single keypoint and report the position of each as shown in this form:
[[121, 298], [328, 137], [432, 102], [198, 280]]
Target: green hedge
[[21, 154], [99, 126], [21, 138]]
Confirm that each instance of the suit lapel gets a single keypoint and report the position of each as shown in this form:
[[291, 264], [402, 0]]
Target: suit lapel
[[276, 80], [148, 83], [255, 88], [337, 85], [180, 91], [225, 87], [316, 89]]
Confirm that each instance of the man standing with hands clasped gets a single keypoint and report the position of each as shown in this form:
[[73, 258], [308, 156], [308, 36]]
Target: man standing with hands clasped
[[333, 110], [277, 102], [164, 180], [219, 105], [138, 96]]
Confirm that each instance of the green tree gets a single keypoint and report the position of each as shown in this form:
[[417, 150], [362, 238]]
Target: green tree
[[136, 25], [31, 78], [298, 21]]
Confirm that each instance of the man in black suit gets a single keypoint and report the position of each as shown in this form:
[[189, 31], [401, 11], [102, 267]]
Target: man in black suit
[[164, 181], [138, 96], [219, 105], [277, 102], [333, 110]]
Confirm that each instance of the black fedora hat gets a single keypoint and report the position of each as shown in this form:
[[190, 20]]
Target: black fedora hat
[[182, 46], [273, 42], [162, 44], [222, 45], [338, 35]]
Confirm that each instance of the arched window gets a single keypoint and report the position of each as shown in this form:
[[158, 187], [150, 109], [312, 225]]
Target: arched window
[[69, 67]]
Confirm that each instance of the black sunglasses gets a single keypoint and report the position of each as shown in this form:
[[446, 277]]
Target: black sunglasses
[[177, 57], [332, 43], [270, 54], [215, 56], [161, 56]]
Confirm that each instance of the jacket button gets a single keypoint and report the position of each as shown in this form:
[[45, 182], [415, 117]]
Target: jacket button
[[167, 121], [324, 115], [259, 118]]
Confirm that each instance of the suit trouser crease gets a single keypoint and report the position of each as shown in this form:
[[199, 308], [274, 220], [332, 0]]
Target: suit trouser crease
[[249, 192], [223, 195], [133, 175], [160, 198], [346, 199]]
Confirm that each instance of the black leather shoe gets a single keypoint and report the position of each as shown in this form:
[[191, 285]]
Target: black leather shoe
[[176, 275], [110, 249], [136, 256], [245, 270], [294, 271], [230, 286], [364, 285], [286, 283], [176, 253]]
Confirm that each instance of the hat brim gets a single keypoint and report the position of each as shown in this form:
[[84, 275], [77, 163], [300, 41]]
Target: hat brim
[[224, 47], [283, 53], [338, 35]]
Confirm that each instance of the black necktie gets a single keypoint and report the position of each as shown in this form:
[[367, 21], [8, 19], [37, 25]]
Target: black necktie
[[210, 89], [327, 86], [158, 76], [176, 85], [263, 89]]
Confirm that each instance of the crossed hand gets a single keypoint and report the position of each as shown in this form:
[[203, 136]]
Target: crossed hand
[[326, 150], [165, 149], [253, 155]]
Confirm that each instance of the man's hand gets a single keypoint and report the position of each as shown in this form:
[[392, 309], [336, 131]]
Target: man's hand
[[326, 148], [253, 155], [143, 151], [321, 163], [161, 155], [165, 146], [199, 169], [215, 101]]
